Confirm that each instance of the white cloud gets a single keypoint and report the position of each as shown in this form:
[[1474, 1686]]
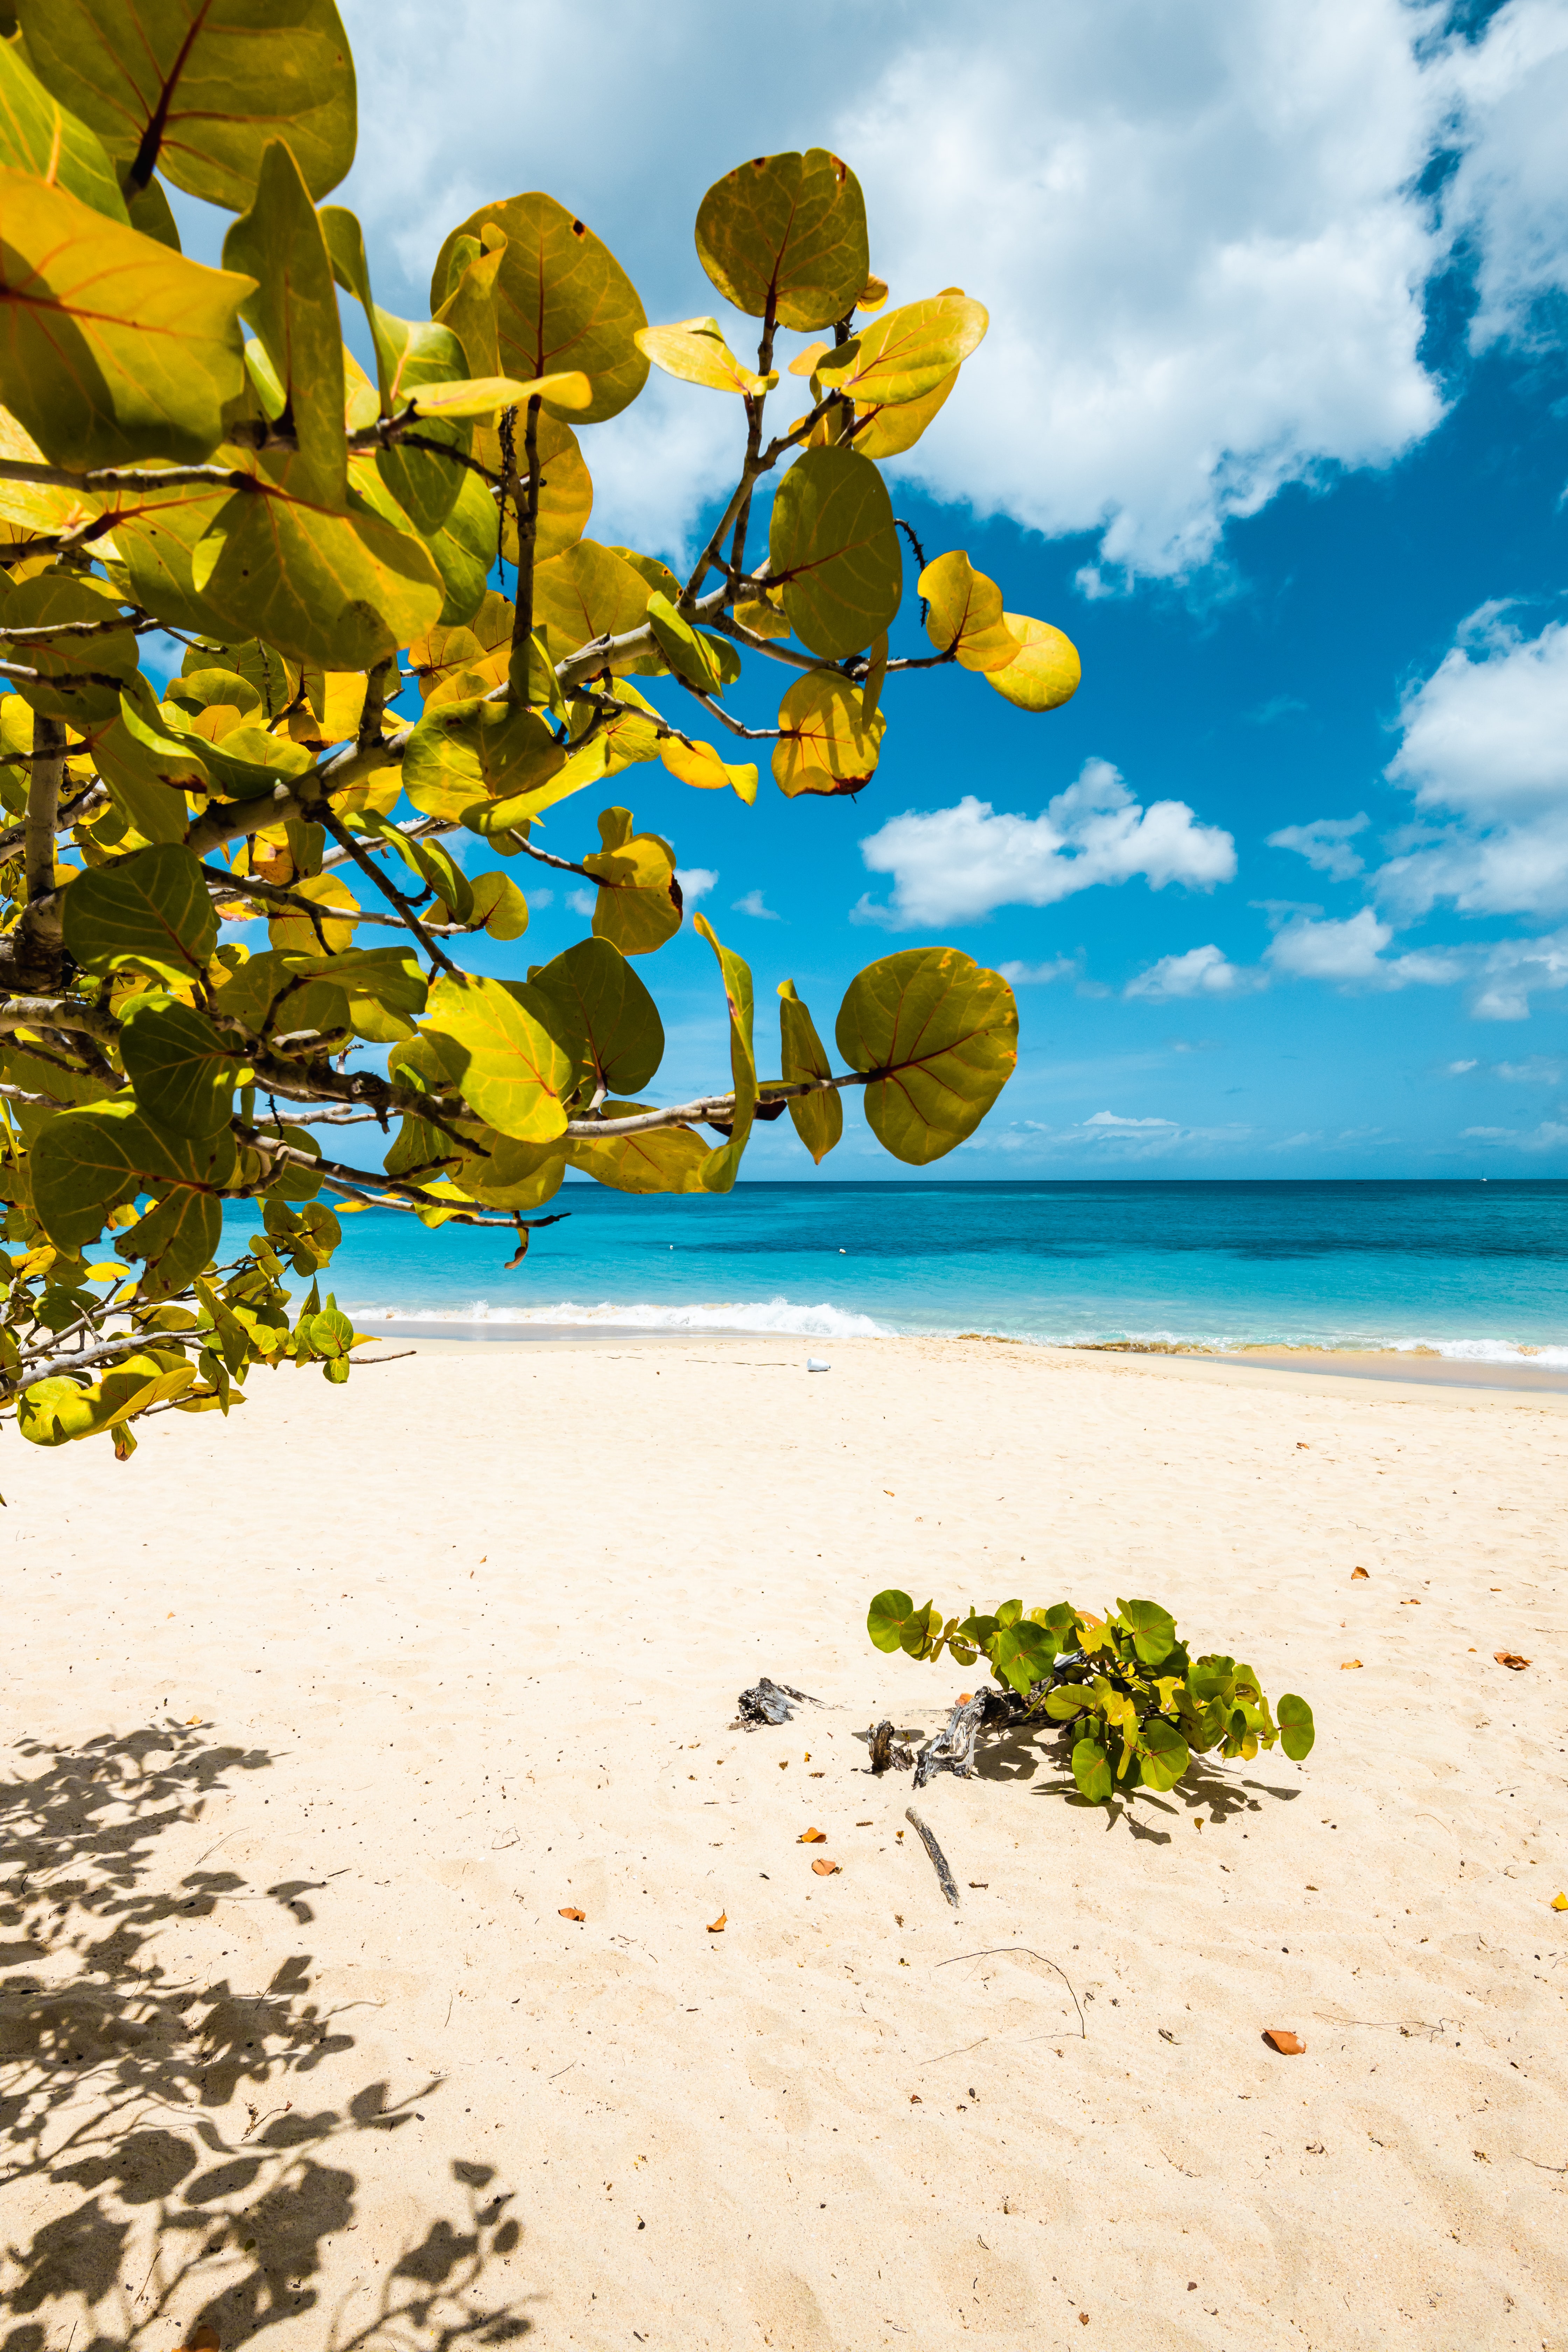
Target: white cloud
[[752, 904], [696, 881], [1202, 971], [1351, 953], [1038, 975], [1197, 230], [1324, 844], [1111, 1118], [958, 865], [1511, 190], [1517, 969], [1485, 744], [1459, 1069], [582, 902]]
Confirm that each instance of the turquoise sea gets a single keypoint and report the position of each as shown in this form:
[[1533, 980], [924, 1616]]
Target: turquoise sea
[[1474, 1269]]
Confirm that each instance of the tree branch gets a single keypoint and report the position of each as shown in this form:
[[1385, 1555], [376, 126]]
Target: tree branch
[[772, 1090]]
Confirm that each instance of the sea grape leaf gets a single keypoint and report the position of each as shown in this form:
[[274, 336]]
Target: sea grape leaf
[[53, 1412], [1091, 1771], [907, 354], [500, 905], [304, 935], [184, 1071], [462, 755], [639, 904], [72, 669], [511, 1072], [827, 742], [786, 234], [708, 663], [281, 243], [177, 1237], [594, 1004], [723, 1165], [695, 351], [940, 1035], [965, 613], [586, 592], [112, 349], [196, 87], [1163, 1753], [833, 548], [1022, 1655], [150, 910], [341, 589], [1153, 1630], [659, 1159], [890, 1613], [563, 301], [1046, 671], [888, 431], [86, 1161], [1063, 1703], [155, 534], [39, 134], [1297, 1731], [700, 764], [818, 1118]]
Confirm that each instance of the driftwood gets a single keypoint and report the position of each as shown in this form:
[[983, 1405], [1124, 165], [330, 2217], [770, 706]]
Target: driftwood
[[939, 1859], [952, 1750], [886, 1754], [768, 1702]]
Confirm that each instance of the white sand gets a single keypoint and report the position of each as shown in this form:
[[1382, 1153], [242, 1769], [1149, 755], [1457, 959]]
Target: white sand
[[297, 2043]]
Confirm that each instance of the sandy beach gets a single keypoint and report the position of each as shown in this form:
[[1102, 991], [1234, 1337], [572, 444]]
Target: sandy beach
[[319, 1723]]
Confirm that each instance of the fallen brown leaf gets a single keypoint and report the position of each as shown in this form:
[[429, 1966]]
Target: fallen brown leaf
[[1290, 2045], [1346, 1664], [812, 1837], [1083, 2319], [717, 1926], [965, 1697], [568, 1913], [916, 2100], [201, 2339], [824, 1868], [1361, 1573], [1510, 1658]]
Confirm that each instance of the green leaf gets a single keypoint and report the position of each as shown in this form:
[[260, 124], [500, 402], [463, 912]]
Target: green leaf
[[1065, 1702], [818, 1118], [889, 1614], [695, 351], [1022, 1654], [463, 756], [787, 233], [197, 87], [940, 1035], [294, 312], [112, 349], [410, 356], [1163, 1753], [709, 664], [86, 1161], [1297, 1731], [38, 135], [965, 613], [660, 1159], [827, 743], [177, 1238], [53, 1412], [562, 300], [511, 1072], [73, 667], [183, 1070], [339, 589], [1153, 1630], [1046, 671], [1091, 1771], [725, 1164], [150, 910], [833, 548], [905, 354], [500, 906], [597, 1010], [588, 592], [156, 533], [639, 904]]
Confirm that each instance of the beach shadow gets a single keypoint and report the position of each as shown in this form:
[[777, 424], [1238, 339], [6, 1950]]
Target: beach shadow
[[171, 2220]]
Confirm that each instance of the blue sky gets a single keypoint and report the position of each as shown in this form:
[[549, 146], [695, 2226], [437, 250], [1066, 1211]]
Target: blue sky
[[1272, 419]]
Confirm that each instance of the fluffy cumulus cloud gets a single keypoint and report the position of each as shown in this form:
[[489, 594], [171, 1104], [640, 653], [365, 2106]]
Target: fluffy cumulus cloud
[[1351, 953], [1484, 750], [1198, 230], [1202, 971], [1325, 843], [696, 882], [1516, 970], [959, 865]]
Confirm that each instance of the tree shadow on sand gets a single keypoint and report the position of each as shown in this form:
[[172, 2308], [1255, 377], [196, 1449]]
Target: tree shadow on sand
[[1039, 1754], [118, 2098]]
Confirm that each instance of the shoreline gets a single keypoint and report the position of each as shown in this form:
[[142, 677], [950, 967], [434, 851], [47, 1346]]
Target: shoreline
[[1414, 1368]]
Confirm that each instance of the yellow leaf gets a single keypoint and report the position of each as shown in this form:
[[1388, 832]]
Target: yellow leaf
[[562, 302], [1046, 671], [695, 351], [828, 744], [790, 231], [888, 431], [484, 396], [905, 355], [700, 764], [965, 613]]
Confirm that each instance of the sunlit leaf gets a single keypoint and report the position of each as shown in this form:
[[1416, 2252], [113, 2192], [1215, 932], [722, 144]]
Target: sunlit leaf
[[54, 1412], [586, 592], [468, 755], [151, 911], [500, 906], [196, 87], [39, 134], [1091, 1771], [564, 303], [660, 1159], [700, 764], [183, 1070], [639, 904], [827, 743], [818, 1118], [1297, 1731], [888, 431], [279, 242], [907, 354], [695, 351], [78, 673], [833, 548], [1046, 671], [786, 233], [725, 1164], [112, 349], [510, 1071], [343, 590], [965, 613], [940, 1035], [594, 1004]]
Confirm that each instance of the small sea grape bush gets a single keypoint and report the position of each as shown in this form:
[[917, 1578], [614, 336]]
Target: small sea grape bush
[[1143, 1703], [238, 961]]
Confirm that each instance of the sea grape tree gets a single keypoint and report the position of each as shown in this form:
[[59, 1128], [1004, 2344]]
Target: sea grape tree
[[191, 457]]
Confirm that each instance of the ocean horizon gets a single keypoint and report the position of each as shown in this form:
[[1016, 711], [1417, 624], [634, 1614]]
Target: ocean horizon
[[1471, 1268]]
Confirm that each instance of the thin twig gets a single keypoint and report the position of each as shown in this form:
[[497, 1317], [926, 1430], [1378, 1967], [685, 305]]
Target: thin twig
[[322, 814], [993, 1949], [939, 1859], [772, 1090]]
